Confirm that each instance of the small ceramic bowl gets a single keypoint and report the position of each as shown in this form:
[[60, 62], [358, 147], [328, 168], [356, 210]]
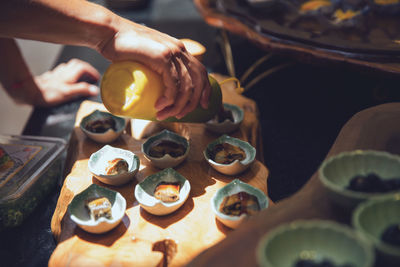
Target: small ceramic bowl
[[80, 214], [316, 241], [166, 161], [336, 173], [226, 126], [372, 218], [237, 166], [144, 192], [98, 163], [234, 187], [108, 136]]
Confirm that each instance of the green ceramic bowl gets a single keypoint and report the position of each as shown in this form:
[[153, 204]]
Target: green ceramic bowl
[[234, 187], [110, 135], [98, 162], [373, 217], [144, 192], [227, 126], [314, 240], [237, 166], [336, 172], [80, 215], [166, 161]]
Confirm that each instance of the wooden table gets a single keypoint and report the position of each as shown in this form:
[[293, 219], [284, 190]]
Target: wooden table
[[143, 239], [249, 28], [374, 128]]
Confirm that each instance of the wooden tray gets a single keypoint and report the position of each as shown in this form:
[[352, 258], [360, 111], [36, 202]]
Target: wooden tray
[[143, 239], [335, 46], [372, 128]]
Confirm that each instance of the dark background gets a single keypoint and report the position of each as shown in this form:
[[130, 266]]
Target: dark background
[[302, 109]]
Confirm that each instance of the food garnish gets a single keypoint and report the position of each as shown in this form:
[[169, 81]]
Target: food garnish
[[226, 153], [117, 166], [239, 203], [167, 191], [99, 207]]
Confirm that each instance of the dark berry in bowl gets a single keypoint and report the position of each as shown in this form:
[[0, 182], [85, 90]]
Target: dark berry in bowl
[[370, 183], [391, 235]]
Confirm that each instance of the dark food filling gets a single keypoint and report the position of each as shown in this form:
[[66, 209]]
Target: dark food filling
[[163, 147], [226, 153], [324, 263], [239, 203], [372, 183], [224, 114], [391, 235], [101, 125], [117, 166], [167, 192]]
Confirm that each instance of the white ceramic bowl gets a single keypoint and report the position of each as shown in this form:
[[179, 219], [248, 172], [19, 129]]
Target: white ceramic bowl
[[227, 126], [234, 187], [110, 135], [315, 240], [80, 215], [237, 166], [336, 173], [166, 161], [372, 218], [144, 192], [98, 162]]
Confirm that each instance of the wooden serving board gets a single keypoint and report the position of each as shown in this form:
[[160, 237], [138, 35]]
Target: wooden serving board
[[375, 128], [143, 239]]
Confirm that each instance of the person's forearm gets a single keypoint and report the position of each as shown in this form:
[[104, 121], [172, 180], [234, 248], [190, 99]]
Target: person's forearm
[[14, 73], [74, 22]]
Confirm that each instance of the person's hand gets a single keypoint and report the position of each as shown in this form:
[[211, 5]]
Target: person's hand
[[185, 78], [63, 83]]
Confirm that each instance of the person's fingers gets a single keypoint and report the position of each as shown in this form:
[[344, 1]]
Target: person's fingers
[[80, 69], [205, 95], [183, 89], [184, 94], [76, 70], [80, 89], [171, 82], [171, 74], [200, 83]]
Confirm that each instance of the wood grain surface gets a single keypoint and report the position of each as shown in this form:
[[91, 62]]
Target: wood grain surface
[[142, 239], [374, 128], [301, 51]]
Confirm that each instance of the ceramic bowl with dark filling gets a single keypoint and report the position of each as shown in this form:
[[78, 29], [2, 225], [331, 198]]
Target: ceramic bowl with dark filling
[[227, 122], [102, 127], [166, 149], [114, 166], [251, 199], [356, 176], [308, 243], [379, 221], [229, 155]]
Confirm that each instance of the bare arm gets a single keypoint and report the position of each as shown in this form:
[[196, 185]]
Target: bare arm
[[73, 22], [14, 72], [52, 87], [83, 23]]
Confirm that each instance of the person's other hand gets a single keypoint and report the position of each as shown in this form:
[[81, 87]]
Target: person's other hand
[[185, 78], [63, 83]]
